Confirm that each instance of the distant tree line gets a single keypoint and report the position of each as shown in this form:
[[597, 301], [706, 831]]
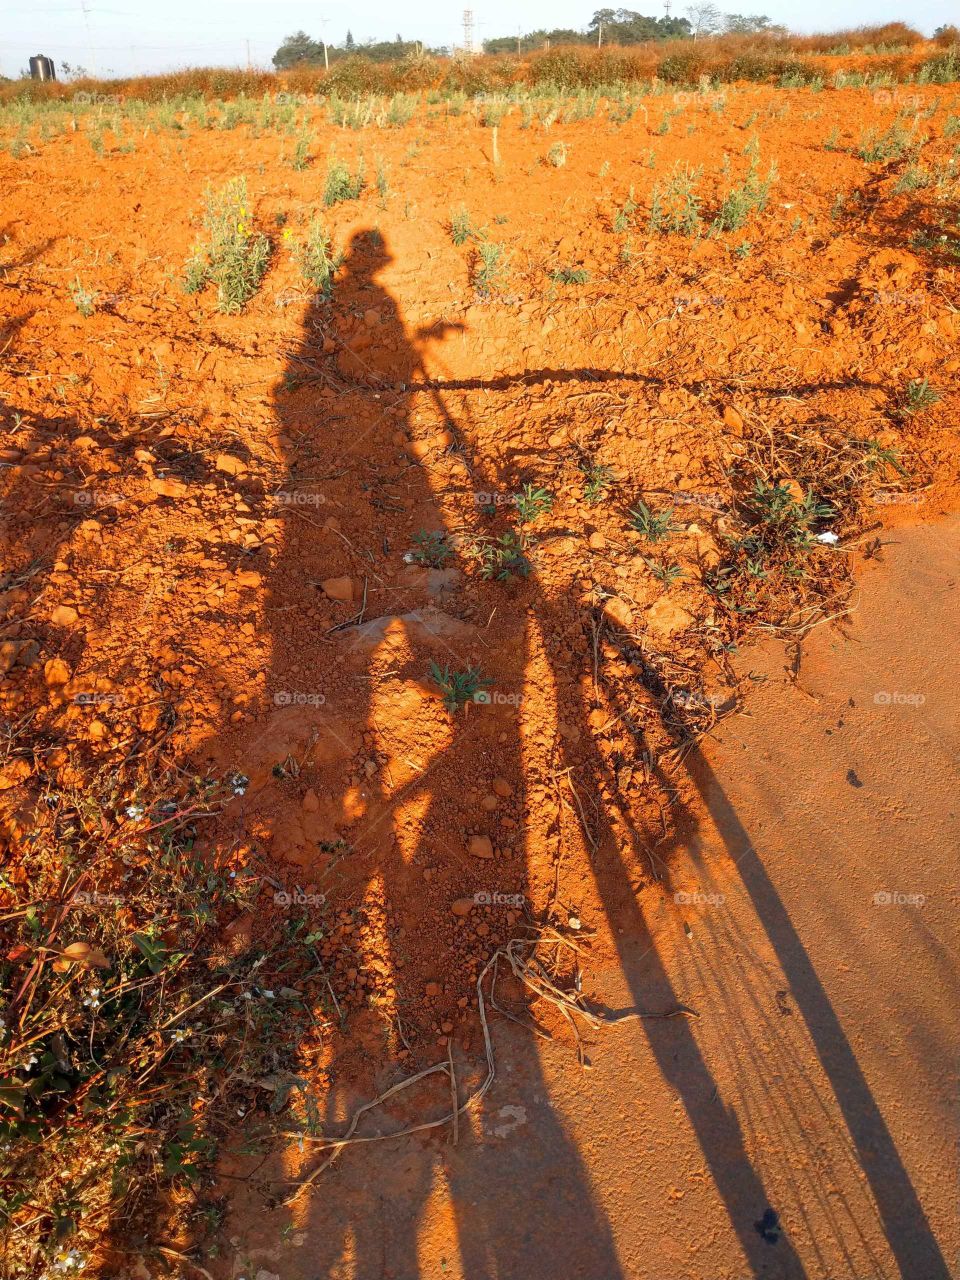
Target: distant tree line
[[607, 26], [300, 49]]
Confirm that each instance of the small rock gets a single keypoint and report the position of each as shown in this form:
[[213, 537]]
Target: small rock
[[168, 488], [732, 419], [231, 465], [619, 612], [502, 787], [480, 846], [666, 617], [249, 578], [462, 906], [64, 616], [596, 540], [432, 989], [56, 671], [338, 589]]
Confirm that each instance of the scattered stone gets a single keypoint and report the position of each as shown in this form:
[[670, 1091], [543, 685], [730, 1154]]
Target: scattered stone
[[502, 787], [56, 671], [666, 617], [168, 488], [619, 612], [64, 616], [18, 653], [232, 466], [249, 578], [338, 589], [462, 906], [732, 419], [480, 846]]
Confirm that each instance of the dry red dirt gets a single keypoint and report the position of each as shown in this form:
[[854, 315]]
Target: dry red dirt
[[206, 518]]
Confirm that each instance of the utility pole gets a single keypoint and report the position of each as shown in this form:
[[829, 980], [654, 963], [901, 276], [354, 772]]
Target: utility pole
[[249, 68], [86, 23], [599, 34], [518, 42], [323, 41]]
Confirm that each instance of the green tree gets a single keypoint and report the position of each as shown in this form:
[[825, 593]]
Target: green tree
[[298, 48]]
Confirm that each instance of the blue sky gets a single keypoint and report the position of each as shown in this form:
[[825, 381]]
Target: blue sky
[[126, 37]]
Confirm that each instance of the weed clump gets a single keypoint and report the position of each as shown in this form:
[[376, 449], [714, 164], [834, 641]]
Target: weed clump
[[341, 185], [234, 256], [675, 205], [315, 258]]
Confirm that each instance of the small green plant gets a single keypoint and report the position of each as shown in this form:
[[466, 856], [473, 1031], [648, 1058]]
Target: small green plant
[[557, 155], [917, 395], [597, 481], [84, 299], [913, 178], [490, 268], [501, 559], [315, 259], [383, 182], [654, 527], [235, 256], [781, 517], [749, 197], [301, 151], [667, 573], [340, 185], [569, 275], [623, 218], [462, 228], [832, 140], [875, 147], [674, 204], [531, 503], [431, 549], [458, 687]]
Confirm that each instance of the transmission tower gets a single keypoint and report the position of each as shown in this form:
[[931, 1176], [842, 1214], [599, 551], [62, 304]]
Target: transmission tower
[[468, 46]]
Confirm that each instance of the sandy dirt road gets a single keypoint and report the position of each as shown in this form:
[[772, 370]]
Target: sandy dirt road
[[805, 1124]]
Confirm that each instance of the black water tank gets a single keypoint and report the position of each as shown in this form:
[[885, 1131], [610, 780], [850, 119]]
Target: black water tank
[[42, 68]]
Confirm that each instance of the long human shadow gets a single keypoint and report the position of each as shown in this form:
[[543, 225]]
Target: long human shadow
[[905, 1223], [370, 367]]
